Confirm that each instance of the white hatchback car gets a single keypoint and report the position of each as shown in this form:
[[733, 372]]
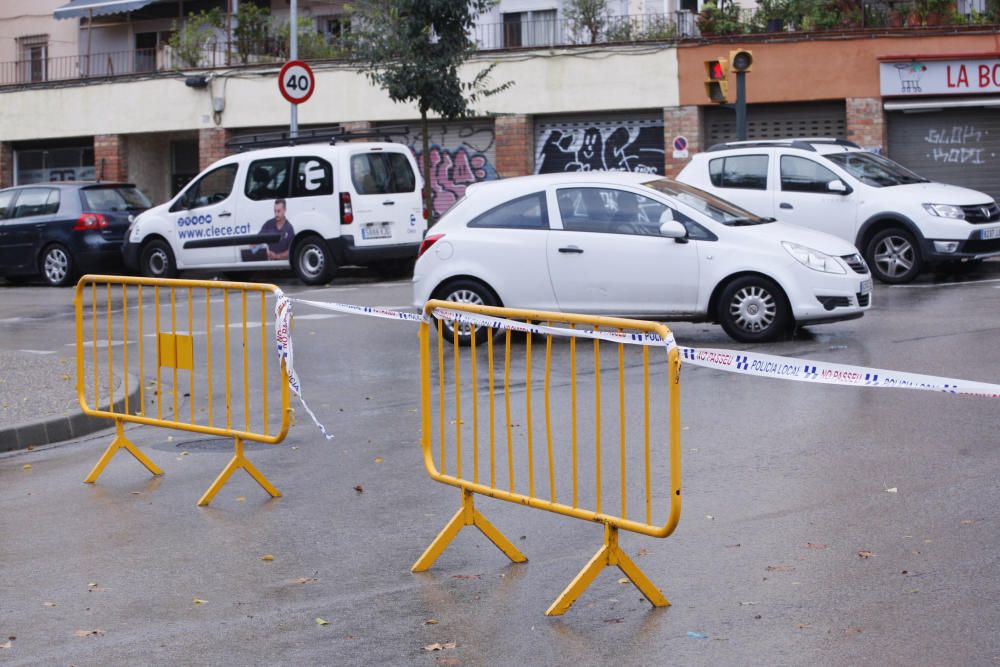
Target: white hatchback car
[[637, 245]]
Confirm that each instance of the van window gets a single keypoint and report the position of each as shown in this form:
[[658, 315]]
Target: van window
[[213, 187], [527, 212], [313, 177], [37, 201], [382, 174], [5, 199], [748, 172], [267, 179], [801, 175]]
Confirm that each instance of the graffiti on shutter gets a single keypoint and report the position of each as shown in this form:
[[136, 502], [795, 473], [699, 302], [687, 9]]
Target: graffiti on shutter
[[602, 145]]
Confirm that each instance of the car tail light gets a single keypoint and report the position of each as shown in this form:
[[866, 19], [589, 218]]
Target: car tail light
[[89, 221], [346, 212], [428, 242], [426, 214]]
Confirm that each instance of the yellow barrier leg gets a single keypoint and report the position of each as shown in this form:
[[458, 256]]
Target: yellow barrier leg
[[468, 515], [609, 554], [239, 461], [120, 442]]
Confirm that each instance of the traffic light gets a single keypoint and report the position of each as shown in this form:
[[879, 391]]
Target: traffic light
[[741, 60], [716, 85]]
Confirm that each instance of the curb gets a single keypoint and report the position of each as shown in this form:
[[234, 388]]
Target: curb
[[66, 427]]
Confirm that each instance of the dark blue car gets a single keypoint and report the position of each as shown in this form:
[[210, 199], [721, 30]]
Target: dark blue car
[[60, 230]]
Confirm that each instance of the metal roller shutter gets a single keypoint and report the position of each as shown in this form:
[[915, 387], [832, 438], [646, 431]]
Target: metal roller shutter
[[957, 146], [631, 142], [778, 121]]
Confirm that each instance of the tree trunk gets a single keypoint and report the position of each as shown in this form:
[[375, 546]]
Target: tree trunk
[[426, 159]]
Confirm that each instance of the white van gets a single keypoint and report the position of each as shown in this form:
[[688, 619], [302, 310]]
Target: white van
[[313, 207]]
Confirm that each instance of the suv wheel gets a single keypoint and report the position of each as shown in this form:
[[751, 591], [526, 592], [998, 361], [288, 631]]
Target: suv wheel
[[466, 292], [312, 261], [157, 260], [894, 256], [753, 309], [57, 266]]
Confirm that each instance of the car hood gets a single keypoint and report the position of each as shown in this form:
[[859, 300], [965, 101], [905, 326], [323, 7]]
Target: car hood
[[810, 238], [938, 193]]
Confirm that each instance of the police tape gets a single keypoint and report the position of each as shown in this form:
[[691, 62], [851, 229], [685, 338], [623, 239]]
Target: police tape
[[743, 363]]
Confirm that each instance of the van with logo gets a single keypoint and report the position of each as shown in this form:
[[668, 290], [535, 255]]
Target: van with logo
[[310, 207]]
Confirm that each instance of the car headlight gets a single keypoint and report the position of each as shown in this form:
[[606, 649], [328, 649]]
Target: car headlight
[[945, 211], [814, 259]]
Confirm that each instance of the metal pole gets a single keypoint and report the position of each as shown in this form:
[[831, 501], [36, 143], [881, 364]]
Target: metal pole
[[293, 54], [741, 106]]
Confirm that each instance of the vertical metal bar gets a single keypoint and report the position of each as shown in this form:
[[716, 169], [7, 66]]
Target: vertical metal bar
[[142, 374], [125, 342], [527, 411], [208, 349], [597, 419], [475, 409], [645, 408], [440, 342], [246, 364], [225, 329], [263, 356], [93, 318], [493, 467], [159, 392], [506, 398], [458, 405], [173, 331], [111, 365], [548, 416], [621, 421], [191, 333], [572, 407]]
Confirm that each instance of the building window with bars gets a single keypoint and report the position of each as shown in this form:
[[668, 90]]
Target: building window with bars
[[34, 57]]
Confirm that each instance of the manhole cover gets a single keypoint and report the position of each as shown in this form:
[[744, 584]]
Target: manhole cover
[[208, 445]]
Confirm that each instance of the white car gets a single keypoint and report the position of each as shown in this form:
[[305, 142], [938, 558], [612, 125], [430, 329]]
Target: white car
[[637, 245], [900, 221]]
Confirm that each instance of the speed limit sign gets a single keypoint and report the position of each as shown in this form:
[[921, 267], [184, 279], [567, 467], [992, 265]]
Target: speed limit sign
[[296, 81]]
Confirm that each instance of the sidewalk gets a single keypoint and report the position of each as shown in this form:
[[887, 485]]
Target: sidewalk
[[38, 403]]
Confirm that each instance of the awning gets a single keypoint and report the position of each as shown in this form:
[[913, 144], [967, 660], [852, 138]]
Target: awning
[[82, 8], [931, 104]]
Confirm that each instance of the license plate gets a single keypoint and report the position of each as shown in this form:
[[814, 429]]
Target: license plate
[[990, 233], [866, 286], [376, 231]]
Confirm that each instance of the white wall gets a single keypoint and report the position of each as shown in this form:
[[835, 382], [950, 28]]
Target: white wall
[[19, 18], [568, 81]]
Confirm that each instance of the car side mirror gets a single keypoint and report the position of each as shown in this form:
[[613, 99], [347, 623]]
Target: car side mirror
[[673, 230], [838, 186]]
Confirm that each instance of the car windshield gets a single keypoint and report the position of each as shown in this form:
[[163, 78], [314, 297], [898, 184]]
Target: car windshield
[[874, 170], [114, 199], [717, 209]]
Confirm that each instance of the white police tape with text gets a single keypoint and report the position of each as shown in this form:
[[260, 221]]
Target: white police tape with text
[[744, 363]]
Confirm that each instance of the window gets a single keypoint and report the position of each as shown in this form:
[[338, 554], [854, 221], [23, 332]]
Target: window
[[338, 28], [610, 211], [522, 213], [801, 175], [114, 199], [748, 172], [268, 179], [213, 187], [874, 170], [37, 201], [536, 28], [382, 174], [34, 52], [5, 199], [313, 177]]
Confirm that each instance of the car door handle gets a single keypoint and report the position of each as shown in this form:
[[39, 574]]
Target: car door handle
[[571, 249], [225, 214], [388, 203], [785, 204]]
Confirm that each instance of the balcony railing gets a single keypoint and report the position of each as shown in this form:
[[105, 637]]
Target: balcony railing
[[563, 32]]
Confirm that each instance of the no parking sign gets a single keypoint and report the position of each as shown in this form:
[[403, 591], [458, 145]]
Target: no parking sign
[[680, 147]]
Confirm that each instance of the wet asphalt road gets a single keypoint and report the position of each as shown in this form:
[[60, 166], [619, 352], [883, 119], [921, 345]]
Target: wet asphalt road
[[791, 548]]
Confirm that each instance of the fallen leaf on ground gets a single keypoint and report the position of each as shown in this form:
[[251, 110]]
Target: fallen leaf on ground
[[642, 552], [803, 626], [812, 545], [241, 499], [6, 645], [709, 516], [89, 633], [466, 576], [320, 621], [748, 604], [614, 620], [359, 488], [27, 466], [967, 522], [267, 557], [780, 568], [892, 490], [733, 546], [379, 459], [198, 601], [304, 580], [431, 621], [623, 580], [853, 631], [436, 646], [49, 604], [865, 554]]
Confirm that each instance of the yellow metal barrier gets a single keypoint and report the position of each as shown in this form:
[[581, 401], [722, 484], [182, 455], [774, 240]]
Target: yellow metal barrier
[[584, 494], [135, 309]]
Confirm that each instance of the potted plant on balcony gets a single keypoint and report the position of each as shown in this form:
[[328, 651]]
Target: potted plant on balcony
[[773, 13], [719, 19], [936, 11]]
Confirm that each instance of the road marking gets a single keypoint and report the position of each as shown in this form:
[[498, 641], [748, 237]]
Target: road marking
[[101, 344], [39, 351], [967, 282]]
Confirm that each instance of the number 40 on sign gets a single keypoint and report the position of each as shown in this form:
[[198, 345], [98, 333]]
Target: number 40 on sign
[[296, 81]]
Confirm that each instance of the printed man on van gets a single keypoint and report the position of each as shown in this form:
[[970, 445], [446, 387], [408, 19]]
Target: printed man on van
[[279, 225]]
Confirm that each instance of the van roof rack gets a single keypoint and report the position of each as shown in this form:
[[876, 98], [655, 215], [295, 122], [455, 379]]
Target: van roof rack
[[803, 143], [330, 135]]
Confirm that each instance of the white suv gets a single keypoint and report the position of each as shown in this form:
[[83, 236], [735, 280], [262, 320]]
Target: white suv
[[898, 220], [312, 207]]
